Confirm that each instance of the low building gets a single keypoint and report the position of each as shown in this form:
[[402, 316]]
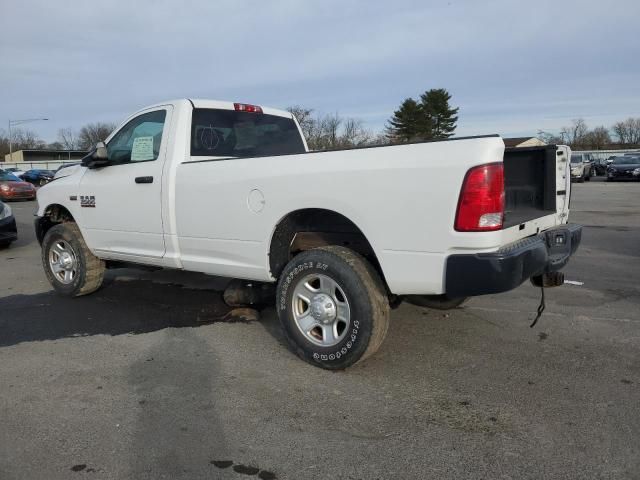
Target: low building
[[43, 155], [523, 142]]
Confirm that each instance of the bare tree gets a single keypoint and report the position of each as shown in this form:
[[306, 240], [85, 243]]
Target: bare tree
[[330, 129], [597, 139], [633, 124], [26, 139], [305, 119], [575, 133], [68, 138], [93, 133], [354, 134], [620, 131], [628, 131], [551, 138], [325, 132]]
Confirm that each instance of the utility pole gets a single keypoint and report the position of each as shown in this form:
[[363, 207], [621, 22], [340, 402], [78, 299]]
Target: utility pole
[[15, 123]]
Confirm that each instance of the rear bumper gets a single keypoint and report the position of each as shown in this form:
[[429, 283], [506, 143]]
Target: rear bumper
[[507, 268], [8, 230]]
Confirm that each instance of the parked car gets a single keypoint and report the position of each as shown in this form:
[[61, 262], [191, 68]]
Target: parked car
[[38, 177], [581, 164], [12, 188], [600, 167], [8, 230], [230, 189], [16, 171], [624, 168]]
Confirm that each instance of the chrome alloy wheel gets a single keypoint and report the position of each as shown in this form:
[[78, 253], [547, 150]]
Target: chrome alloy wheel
[[321, 310], [63, 262]]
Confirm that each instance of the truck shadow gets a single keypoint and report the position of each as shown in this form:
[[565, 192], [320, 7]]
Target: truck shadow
[[122, 307]]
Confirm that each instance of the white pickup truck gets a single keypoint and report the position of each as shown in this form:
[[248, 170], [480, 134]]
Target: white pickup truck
[[231, 189]]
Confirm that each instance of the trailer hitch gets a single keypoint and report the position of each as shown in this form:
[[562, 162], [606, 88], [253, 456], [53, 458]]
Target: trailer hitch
[[546, 280]]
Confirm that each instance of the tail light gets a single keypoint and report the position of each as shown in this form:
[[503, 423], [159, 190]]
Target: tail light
[[481, 203], [243, 107]]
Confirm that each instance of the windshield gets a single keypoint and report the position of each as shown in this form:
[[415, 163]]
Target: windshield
[[576, 158], [8, 177], [626, 161], [242, 134]]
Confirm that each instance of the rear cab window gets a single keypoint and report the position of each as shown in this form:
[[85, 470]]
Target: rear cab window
[[231, 133]]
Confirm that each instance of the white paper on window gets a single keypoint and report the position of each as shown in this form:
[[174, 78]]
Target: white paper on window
[[142, 149]]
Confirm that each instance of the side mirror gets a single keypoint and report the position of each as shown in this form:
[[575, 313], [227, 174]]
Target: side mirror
[[100, 152], [97, 158]]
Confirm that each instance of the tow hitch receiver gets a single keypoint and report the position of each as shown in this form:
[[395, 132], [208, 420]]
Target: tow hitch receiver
[[546, 280]]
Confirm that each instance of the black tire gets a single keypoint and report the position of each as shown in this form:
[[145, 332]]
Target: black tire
[[5, 244], [439, 302], [89, 268], [367, 300]]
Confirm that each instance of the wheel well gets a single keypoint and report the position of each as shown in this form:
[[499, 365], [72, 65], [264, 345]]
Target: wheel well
[[315, 227], [53, 215]]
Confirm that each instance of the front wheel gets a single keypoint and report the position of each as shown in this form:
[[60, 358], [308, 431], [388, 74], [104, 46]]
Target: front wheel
[[68, 263], [333, 307]]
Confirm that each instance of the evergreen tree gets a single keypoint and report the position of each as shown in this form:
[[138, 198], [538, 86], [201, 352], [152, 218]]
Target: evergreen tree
[[438, 113], [408, 122]]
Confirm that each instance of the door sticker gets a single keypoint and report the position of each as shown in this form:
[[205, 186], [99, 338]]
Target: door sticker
[[142, 149]]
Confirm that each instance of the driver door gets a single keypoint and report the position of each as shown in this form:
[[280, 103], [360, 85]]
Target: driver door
[[121, 203]]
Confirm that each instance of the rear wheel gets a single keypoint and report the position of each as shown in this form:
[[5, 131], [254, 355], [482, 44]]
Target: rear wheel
[[333, 307], [70, 266]]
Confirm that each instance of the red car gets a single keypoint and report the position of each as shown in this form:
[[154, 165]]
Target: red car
[[12, 188]]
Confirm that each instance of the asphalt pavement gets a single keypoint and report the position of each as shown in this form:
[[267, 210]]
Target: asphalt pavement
[[147, 378]]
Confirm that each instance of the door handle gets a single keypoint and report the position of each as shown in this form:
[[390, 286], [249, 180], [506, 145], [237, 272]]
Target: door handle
[[144, 179]]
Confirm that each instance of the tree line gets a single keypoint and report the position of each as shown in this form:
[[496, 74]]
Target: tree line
[[84, 138], [622, 134], [428, 117], [431, 117]]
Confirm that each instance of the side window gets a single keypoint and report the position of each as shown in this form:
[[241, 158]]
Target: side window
[[139, 140]]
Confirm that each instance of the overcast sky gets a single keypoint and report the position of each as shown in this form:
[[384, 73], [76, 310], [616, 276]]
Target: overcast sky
[[512, 67]]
